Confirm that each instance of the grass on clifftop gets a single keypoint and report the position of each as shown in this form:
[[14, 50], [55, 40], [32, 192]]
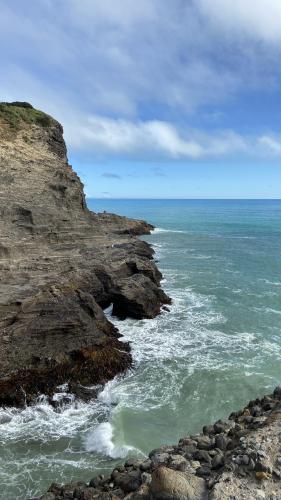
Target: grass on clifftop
[[14, 114]]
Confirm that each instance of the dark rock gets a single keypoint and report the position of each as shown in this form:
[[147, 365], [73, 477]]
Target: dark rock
[[203, 471], [95, 482], [245, 460], [145, 466], [217, 461], [277, 392], [204, 442], [208, 429], [129, 482], [221, 427], [137, 297], [55, 488], [202, 456], [222, 441]]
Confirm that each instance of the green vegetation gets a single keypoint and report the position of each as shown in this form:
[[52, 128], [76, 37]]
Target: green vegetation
[[14, 114]]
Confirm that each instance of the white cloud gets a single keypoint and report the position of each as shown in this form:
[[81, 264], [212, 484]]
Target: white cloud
[[130, 78], [260, 19], [150, 139], [270, 144]]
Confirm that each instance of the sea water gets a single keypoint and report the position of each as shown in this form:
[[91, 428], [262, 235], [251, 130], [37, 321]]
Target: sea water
[[217, 347]]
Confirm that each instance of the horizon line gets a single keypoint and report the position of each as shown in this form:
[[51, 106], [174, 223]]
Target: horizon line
[[186, 199]]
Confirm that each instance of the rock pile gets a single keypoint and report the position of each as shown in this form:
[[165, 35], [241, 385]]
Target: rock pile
[[235, 459]]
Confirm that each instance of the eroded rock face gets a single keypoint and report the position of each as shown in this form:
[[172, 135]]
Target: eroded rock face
[[60, 264]]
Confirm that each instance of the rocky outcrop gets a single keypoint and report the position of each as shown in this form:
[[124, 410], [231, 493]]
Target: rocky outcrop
[[60, 265], [236, 459]]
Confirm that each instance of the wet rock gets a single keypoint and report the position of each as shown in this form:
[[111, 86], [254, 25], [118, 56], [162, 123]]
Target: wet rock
[[256, 410], [208, 429], [129, 482], [168, 484], [96, 481], [220, 426], [222, 441], [55, 488], [176, 461], [145, 466], [277, 392], [48, 496], [204, 442], [203, 471], [159, 458], [137, 297], [202, 456], [217, 461]]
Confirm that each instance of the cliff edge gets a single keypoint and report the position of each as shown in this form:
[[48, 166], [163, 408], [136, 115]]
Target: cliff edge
[[60, 265]]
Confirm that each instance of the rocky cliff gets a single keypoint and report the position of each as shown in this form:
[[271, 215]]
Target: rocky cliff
[[60, 265]]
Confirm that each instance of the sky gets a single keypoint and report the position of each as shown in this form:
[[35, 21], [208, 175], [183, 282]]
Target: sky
[[158, 99]]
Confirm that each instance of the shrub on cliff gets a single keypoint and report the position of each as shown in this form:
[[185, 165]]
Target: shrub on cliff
[[17, 113]]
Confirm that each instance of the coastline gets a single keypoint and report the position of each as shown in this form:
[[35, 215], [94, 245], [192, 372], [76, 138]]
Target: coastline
[[61, 265], [237, 458]]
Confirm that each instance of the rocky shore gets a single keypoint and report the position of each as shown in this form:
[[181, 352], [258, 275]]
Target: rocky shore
[[239, 458], [60, 266]]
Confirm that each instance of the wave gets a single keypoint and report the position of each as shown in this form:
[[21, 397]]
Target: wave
[[161, 230], [100, 440], [274, 283]]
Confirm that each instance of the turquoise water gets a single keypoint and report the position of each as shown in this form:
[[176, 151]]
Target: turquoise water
[[218, 347]]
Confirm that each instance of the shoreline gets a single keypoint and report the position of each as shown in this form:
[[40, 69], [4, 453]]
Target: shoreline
[[238, 458]]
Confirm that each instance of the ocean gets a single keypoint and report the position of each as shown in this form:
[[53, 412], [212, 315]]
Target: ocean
[[218, 347]]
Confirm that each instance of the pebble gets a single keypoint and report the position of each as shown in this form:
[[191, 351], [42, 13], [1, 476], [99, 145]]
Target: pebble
[[195, 464], [262, 475]]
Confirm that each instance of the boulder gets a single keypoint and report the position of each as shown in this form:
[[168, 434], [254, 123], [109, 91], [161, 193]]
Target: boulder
[[168, 484]]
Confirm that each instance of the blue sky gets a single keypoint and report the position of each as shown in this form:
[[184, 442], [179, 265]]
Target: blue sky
[[158, 99]]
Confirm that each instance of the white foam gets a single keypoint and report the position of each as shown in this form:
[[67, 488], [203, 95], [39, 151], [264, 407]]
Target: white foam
[[162, 230], [100, 440], [274, 283]]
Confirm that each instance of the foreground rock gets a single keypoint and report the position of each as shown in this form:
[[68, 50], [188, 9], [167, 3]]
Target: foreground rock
[[236, 459], [60, 265]]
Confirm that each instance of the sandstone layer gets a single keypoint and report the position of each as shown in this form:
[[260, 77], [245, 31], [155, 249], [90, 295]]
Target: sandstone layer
[[236, 459], [60, 265]]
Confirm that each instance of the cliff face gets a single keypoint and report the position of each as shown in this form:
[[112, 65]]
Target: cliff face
[[60, 264]]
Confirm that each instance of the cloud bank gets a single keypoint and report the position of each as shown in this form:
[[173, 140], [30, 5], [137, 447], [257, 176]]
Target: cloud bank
[[146, 78]]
